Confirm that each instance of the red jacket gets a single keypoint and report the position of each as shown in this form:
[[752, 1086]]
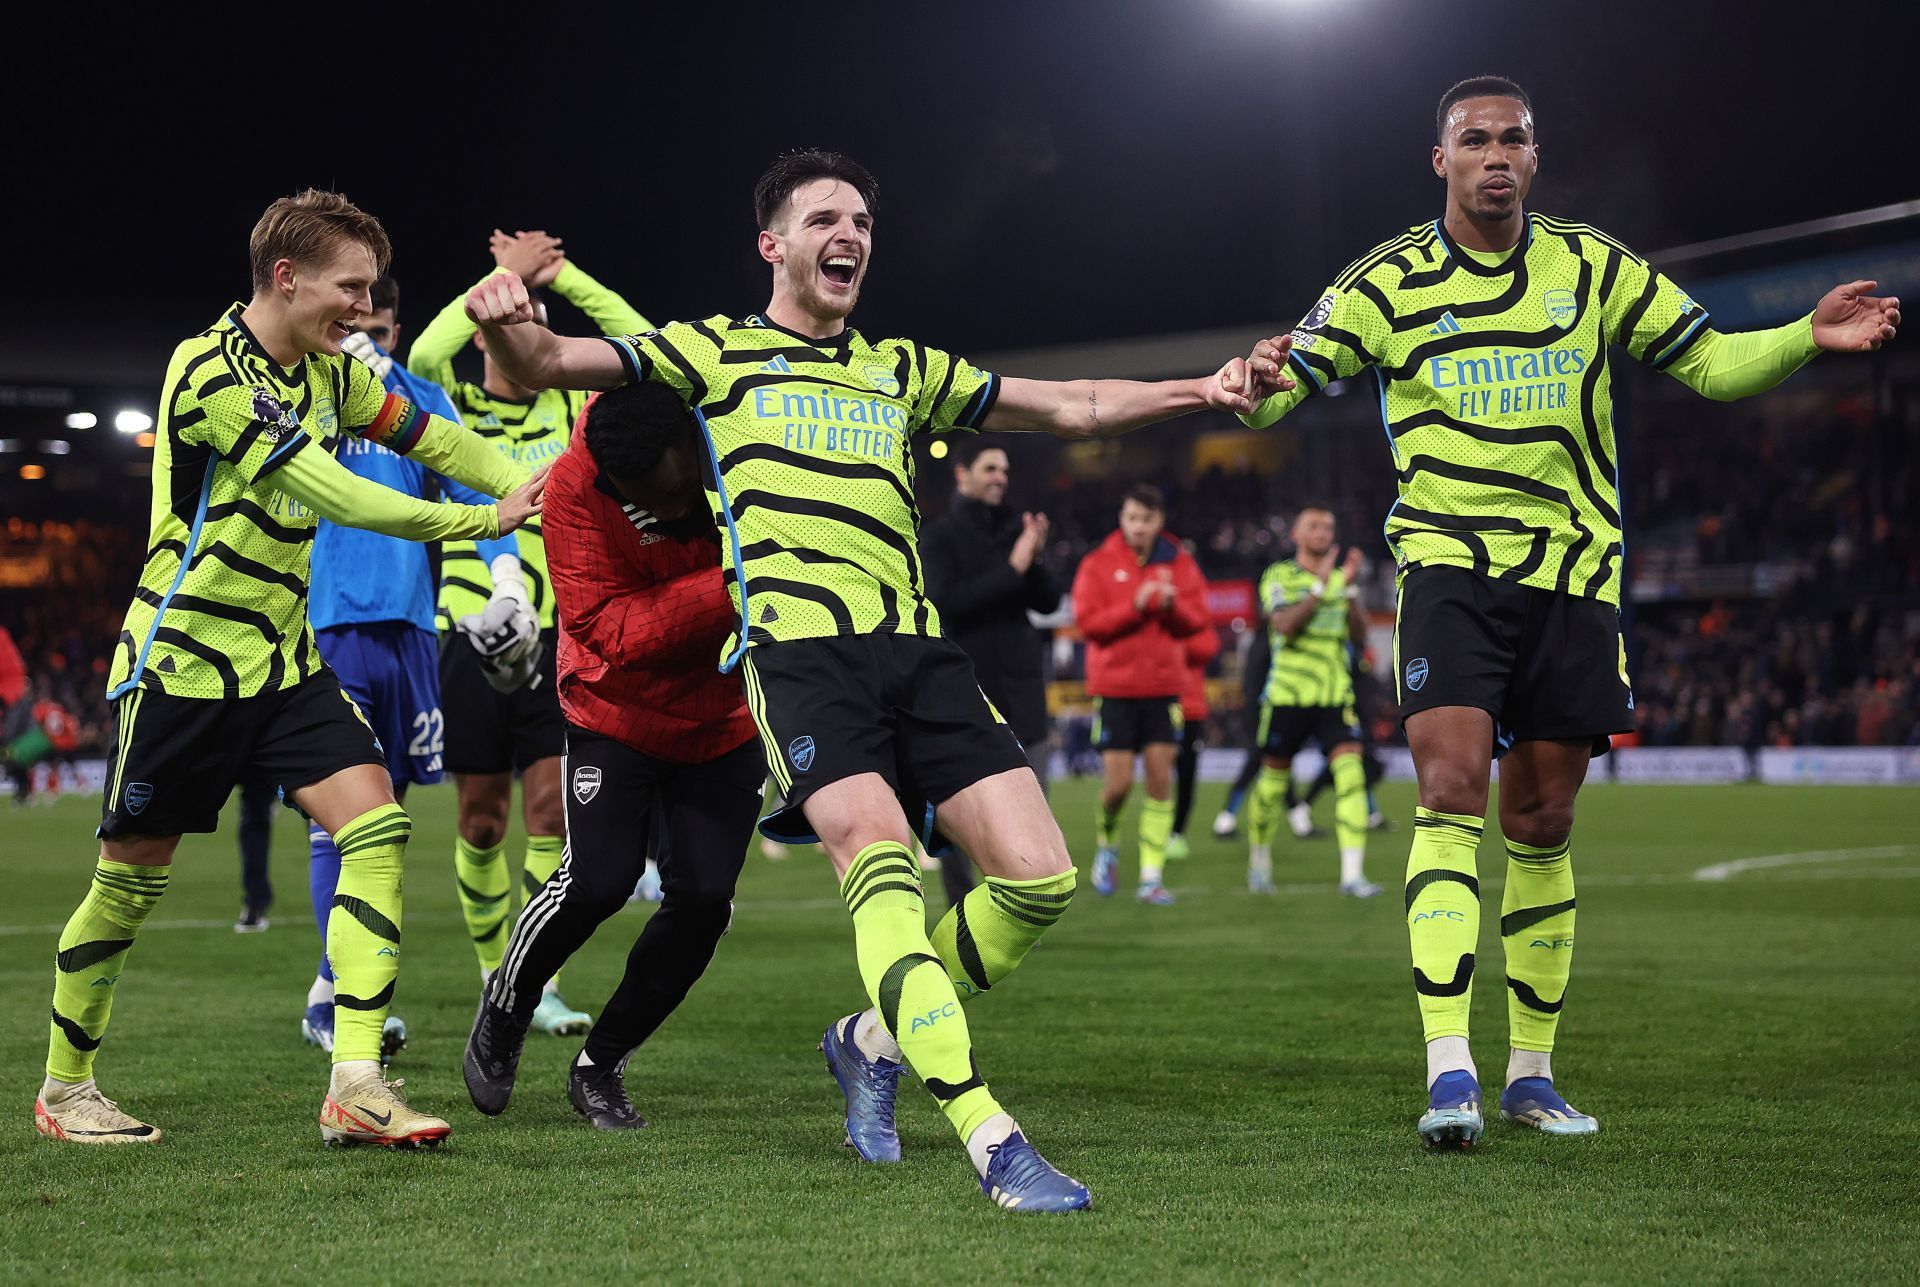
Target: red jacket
[[1201, 648], [1131, 653], [57, 722], [643, 615]]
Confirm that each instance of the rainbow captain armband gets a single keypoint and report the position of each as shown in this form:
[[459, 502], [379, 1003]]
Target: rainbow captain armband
[[398, 426]]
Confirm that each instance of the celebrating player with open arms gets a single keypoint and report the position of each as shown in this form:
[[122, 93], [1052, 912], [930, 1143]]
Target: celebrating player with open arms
[[859, 700], [1489, 331], [216, 672], [499, 731]]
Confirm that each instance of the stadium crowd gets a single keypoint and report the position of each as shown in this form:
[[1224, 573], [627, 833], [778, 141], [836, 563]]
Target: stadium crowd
[[57, 635], [1806, 666], [1773, 676]]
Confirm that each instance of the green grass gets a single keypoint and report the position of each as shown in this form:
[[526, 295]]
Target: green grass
[[1236, 1078]]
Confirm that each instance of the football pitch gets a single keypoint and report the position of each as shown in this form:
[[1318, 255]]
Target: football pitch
[[1235, 1077]]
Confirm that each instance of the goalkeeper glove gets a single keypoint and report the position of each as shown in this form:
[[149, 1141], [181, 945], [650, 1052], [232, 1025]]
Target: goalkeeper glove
[[359, 345], [506, 634]]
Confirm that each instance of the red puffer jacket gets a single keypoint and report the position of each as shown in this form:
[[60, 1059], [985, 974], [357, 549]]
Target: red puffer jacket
[[1131, 653], [643, 617]]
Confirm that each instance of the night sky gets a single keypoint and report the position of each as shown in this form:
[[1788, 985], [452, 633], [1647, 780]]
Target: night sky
[[1050, 172]]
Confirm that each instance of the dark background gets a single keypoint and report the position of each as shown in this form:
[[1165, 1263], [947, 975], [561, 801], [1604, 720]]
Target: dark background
[[1050, 172]]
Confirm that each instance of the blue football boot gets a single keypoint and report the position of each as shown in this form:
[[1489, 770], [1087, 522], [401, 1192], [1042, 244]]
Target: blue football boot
[[1019, 1179], [317, 1025], [870, 1086], [1452, 1119], [1106, 870], [1533, 1102]]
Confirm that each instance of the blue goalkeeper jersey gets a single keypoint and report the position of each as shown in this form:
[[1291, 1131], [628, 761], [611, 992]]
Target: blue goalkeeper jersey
[[361, 576]]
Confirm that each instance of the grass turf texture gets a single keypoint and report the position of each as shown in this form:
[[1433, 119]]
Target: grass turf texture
[[1237, 1079]]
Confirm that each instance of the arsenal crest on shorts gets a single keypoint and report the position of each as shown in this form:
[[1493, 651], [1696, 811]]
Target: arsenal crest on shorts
[[586, 782]]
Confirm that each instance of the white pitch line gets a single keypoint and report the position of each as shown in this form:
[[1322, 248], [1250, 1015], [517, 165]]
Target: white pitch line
[[1723, 870], [1716, 872]]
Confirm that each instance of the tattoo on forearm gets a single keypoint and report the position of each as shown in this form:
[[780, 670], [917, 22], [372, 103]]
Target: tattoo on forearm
[[1093, 407]]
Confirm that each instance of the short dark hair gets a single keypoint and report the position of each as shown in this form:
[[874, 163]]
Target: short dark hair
[[1148, 495], [630, 428], [1476, 87], [1315, 503], [386, 294], [791, 169], [309, 226], [970, 449]]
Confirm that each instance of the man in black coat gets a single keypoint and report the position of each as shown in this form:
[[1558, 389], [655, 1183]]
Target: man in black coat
[[985, 571]]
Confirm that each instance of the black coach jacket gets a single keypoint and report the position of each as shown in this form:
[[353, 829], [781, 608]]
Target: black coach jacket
[[983, 606]]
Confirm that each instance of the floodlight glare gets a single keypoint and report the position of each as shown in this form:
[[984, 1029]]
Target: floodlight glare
[[133, 422], [82, 420]]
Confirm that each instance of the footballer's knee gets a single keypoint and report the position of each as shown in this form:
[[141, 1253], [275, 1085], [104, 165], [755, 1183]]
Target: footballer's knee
[[1451, 786], [542, 802], [700, 911], [483, 801], [600, 893], [483, 829], [1540, 823], [548, 819]]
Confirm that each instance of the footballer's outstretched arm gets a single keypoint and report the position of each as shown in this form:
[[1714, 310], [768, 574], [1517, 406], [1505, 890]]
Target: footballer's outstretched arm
[[1738, 364], [528, 353], [1102, 408], [464, 456], [337, 494]]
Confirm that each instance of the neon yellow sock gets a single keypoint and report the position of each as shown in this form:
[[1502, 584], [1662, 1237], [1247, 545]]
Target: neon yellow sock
[[986, 934], [909, 984], [481, 877], [1106, 823], [1265, 805], [93, 953], [1156, 824], [543, 859], [1350, 802], [1536, 929], [544, 854], [1443, 917], [363, 928]]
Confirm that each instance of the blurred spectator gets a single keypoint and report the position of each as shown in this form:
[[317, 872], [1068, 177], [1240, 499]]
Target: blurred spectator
[[1781, 673], [64, 624]]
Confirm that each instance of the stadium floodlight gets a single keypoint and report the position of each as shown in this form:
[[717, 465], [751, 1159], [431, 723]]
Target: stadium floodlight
[[33, 472], [938, 449], [55, 446], [12, 444], [133, 422], [81, 420]]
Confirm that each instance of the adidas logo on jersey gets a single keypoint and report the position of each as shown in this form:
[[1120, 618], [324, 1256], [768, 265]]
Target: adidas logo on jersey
[[778, 364], [642, 519], [1446, 326]]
